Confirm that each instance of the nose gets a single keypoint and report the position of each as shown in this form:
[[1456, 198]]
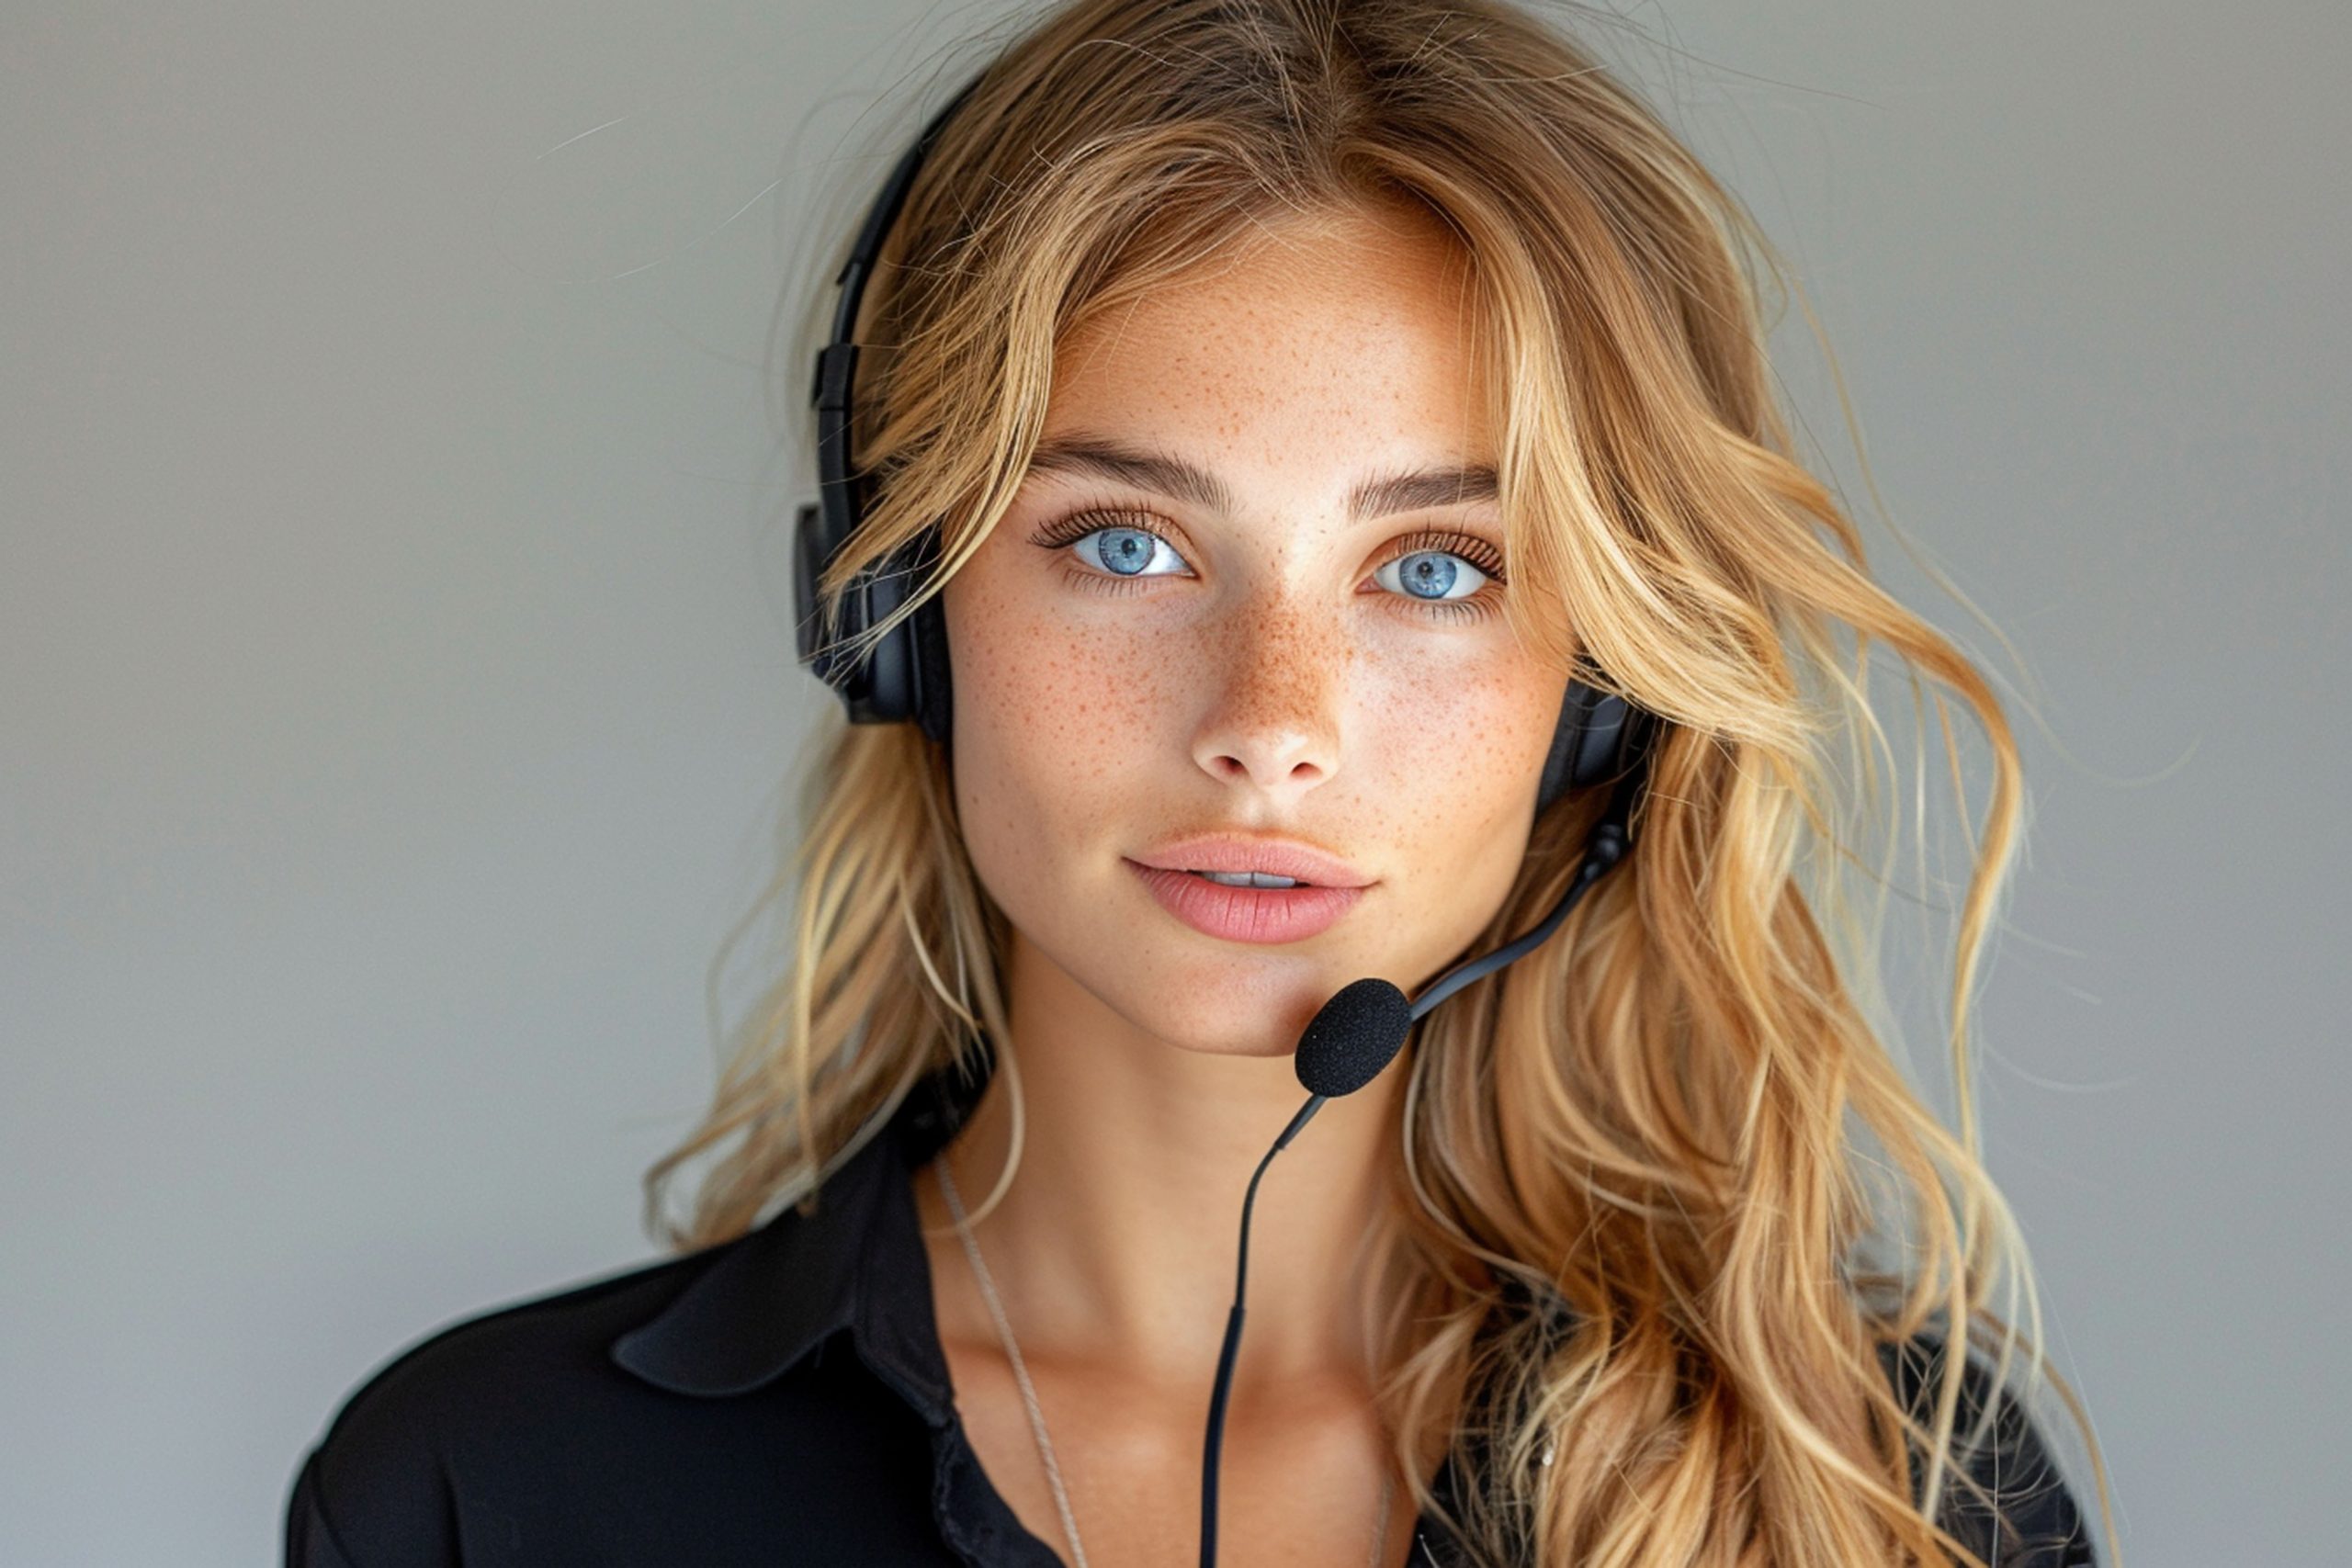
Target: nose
[[1273, 723]]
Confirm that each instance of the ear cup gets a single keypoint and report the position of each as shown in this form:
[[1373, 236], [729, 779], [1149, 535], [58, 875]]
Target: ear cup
[[1594, 741], [905, 676]]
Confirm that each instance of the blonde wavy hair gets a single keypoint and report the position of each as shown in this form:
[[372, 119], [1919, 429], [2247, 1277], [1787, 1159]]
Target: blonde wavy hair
[[1680, 1119]]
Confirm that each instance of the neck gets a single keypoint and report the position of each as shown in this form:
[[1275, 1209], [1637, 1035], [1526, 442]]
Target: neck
[[1115, 1242]]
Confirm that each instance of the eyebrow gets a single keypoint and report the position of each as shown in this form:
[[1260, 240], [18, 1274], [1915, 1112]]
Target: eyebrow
[[1172, 476]]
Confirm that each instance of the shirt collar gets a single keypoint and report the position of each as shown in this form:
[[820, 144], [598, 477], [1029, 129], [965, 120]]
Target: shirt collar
[[853, 1260]]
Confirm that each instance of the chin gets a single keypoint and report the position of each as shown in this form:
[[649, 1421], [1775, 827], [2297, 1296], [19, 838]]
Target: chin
[[1216, 1017]]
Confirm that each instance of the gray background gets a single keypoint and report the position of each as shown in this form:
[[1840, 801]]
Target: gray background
[[396, 678]]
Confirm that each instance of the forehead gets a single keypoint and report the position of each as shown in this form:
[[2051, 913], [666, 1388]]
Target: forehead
[[1335, 337]]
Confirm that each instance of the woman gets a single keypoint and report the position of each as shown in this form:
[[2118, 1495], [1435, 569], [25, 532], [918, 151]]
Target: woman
[[1284, 398]]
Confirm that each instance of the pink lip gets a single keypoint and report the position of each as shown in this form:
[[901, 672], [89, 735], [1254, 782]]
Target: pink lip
[[1246, 914]]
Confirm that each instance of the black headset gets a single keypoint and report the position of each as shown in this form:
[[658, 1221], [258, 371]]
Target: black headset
[[1599, 735]]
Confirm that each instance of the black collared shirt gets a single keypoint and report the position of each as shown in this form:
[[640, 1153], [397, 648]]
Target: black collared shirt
[[778, 1399]]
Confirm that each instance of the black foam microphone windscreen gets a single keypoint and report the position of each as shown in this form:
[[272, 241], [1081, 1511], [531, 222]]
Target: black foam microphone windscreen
[[1356, 1034]]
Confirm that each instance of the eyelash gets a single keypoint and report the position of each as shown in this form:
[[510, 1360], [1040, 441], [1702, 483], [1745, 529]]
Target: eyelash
[[1073, 526]]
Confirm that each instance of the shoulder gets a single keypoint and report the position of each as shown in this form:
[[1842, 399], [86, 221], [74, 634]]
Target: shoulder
[[378, 1485], [2027, 1516]]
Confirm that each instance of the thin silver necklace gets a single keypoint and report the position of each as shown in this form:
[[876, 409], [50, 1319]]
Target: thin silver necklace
[[1029, 1394]]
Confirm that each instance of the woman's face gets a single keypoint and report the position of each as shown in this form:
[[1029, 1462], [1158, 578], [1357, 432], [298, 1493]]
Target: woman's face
[[1257, 650]]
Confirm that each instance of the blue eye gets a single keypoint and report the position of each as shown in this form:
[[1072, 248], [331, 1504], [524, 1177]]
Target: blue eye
[[1123, 552], [1428, 575]]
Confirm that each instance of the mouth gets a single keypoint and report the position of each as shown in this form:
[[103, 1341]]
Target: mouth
[[1246, 906]]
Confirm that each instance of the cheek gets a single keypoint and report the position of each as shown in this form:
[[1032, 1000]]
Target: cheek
[[1472, 768], [1474, 797], [1054, 723]]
